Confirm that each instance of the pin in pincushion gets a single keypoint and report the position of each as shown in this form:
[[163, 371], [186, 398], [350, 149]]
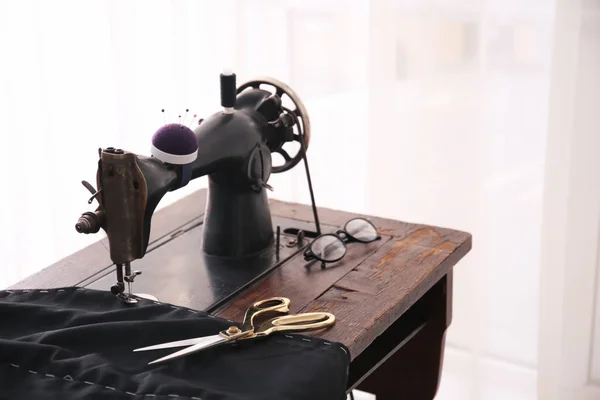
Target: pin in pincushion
[[175, 144]]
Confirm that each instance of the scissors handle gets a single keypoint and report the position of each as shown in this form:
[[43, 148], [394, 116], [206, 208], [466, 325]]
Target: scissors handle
[[298, 322], [273, 304]]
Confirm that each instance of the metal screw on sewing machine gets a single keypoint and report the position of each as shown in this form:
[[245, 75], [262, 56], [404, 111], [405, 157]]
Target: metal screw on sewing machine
[[284, 120], [130, 278], [117, 288], [300, 238], [112, 150], [298, 241], [232, 330]]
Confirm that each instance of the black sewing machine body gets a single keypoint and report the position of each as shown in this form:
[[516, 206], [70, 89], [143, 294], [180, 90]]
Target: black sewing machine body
[[234, 243]]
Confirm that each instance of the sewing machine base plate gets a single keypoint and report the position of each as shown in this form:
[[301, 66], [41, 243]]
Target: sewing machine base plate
[[177, 271]]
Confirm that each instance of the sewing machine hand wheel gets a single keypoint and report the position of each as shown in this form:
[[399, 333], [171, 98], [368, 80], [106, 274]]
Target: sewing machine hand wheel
[[297, 117]]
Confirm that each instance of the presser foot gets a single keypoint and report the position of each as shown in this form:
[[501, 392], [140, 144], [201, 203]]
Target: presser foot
[[127, 298], [118, 289]]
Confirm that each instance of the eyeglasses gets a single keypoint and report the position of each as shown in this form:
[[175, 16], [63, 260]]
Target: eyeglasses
[[331, 247]]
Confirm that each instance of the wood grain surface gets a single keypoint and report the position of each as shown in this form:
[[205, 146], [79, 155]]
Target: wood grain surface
[[371, 293], [367, 290]]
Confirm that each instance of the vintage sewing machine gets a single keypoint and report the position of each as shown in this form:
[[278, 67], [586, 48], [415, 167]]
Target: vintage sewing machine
[[235, 243]]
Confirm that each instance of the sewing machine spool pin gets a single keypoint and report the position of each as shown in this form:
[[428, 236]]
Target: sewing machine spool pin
[[277, 241]]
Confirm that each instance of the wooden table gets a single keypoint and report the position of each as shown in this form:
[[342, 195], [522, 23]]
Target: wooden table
[[393, 302]]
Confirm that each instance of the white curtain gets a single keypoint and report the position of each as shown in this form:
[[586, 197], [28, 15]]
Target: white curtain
[[426, 111]]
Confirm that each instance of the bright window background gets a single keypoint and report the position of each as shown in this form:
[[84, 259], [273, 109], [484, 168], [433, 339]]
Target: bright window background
[[426, 111]]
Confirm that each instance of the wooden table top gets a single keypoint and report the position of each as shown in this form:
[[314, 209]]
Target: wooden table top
[[367, 290]]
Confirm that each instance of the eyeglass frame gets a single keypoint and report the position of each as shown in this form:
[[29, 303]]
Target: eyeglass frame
[[345, 239]]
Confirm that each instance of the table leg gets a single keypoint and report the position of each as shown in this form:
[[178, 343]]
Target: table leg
[[412, 373], [413, 365]]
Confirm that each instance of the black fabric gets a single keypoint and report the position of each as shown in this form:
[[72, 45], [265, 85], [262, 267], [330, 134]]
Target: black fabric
[[76, 343]]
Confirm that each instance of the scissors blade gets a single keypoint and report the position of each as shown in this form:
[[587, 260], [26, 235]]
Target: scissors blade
[[177, 343], [209, 342]]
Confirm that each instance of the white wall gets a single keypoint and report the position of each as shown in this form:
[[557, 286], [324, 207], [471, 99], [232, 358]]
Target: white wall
[[569, 334], [463, 139]]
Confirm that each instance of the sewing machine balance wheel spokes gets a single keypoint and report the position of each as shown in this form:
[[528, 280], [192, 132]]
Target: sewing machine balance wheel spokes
[[294, 116]]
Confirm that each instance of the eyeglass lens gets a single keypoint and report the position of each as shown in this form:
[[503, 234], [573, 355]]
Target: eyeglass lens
[[328, 248], [361, 229]]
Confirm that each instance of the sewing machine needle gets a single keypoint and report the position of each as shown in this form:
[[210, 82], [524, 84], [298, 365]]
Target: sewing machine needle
[[127, 276]]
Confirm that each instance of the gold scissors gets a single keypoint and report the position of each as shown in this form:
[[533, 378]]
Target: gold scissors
[[297, 322]]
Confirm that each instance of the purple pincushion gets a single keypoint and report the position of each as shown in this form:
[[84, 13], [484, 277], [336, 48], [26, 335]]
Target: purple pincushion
[[175, 144]]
